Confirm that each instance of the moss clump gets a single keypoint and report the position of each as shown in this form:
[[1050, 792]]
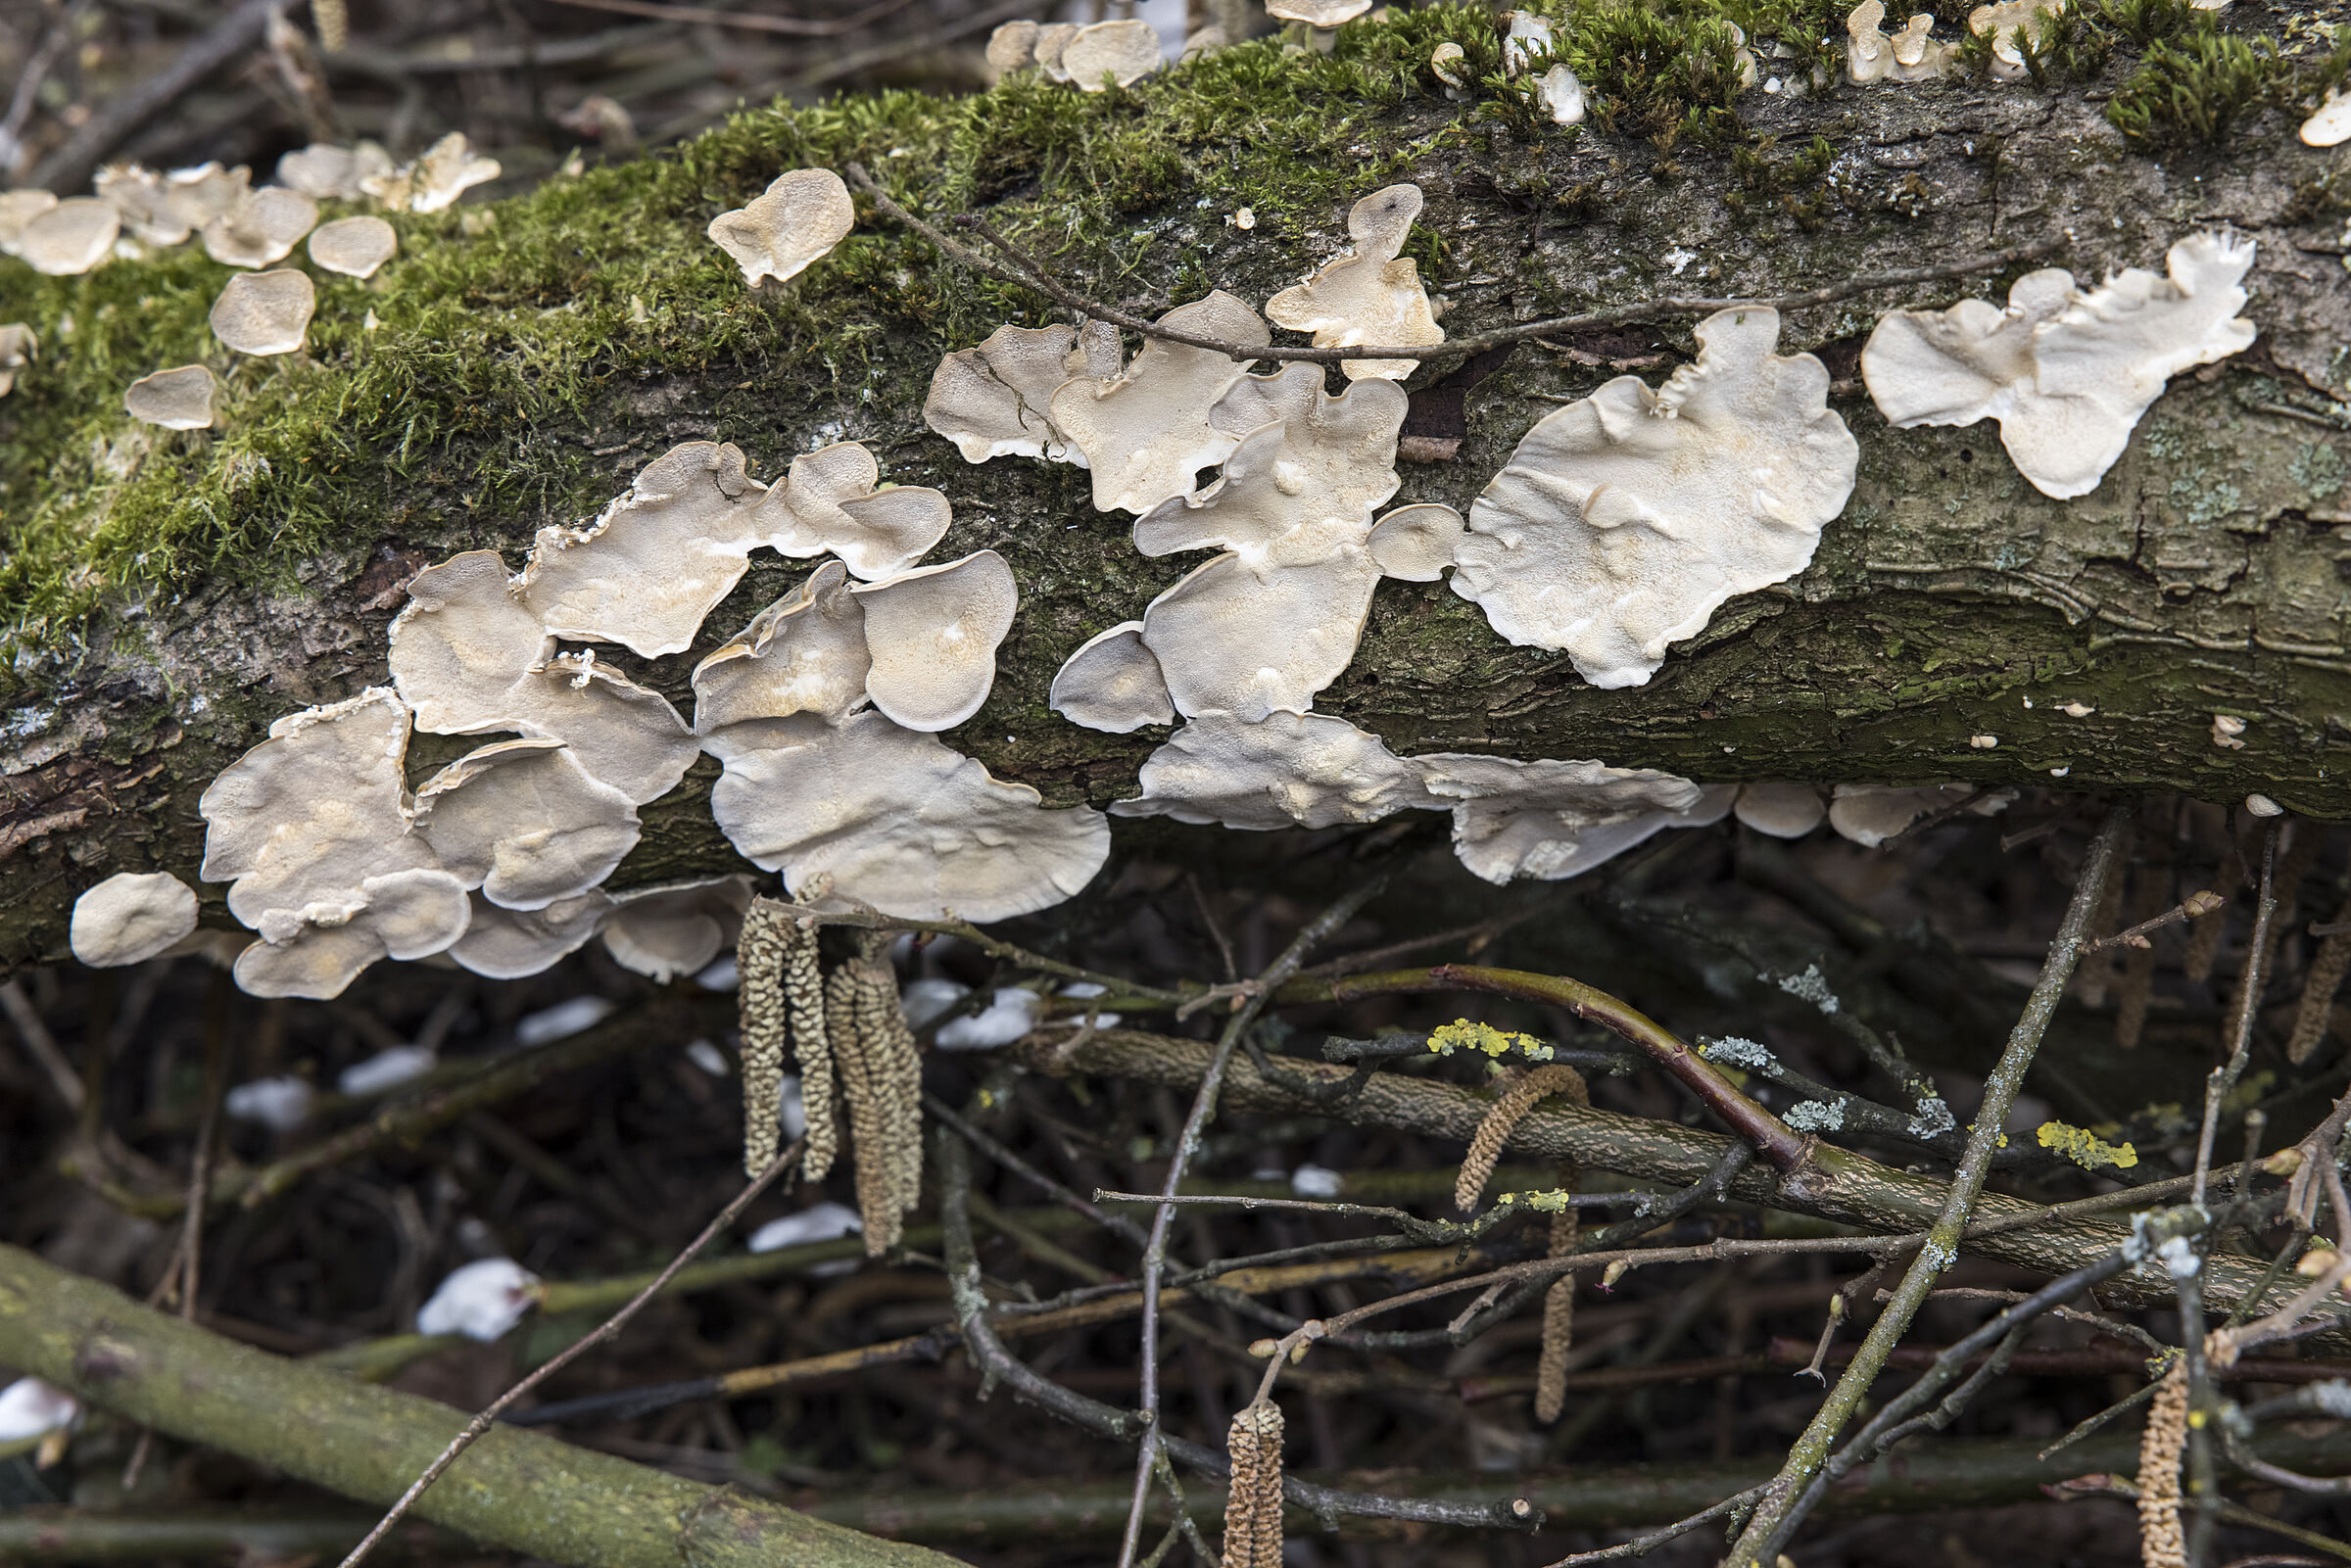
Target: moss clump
[[2191, 91]]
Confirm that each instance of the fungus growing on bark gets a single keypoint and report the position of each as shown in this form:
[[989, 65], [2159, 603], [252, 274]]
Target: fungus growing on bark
[[329, 172], [1318, 12], [1781, 809], [804, 653], [2330, 125], [143, 199], [1871, 814], [130, 918], [1113, 683], [176, 400], [1371, 294], [1552, 819], [1529, 35], [1052, 38], [796, 220], [1013, 46], [317, 950], [18, 208], [994, 399], [1624, 519], [2068, 374], [17, 348], [932, 636], [1448, 61], [353, 246], [264, 313], [828, 504], [1909, 55], [1146, 433], [1124, 52], [71, 237], [263, 227], [471, 658], [448, 169], [1288, 769], [895, 820], [2007, 21], [507, 944], [1276, 620], [1415, 544], [1562, 95], [678, 928], [525, 823]]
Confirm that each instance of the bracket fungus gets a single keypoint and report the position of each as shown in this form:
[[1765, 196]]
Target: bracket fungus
[[264, 313], [263, 227], [893, 818], [1123, 52], [1779, 810], [180, 399], [1251, 639], [1909, 55], [1146, 433], [2068, 374], [17, 209], [2007, 21], [353, 246], [448, 169], [1551, 820], [507, 944], [523, 822], [71, 237], [804, 653], [1529, 36], [130, 918], [330, 172], [932, 636], [1415, 544], [1052, 37], [1372, 294], [828, 503], [1013, 46], [678, 928], [1562, 95], [471, 659], [1624, 519], [17, 348], [1287, 770], [1449, 64], [1113, 683], [2329, 124], [795, 222], [993, 399], [1318, 12], [1871, 814]]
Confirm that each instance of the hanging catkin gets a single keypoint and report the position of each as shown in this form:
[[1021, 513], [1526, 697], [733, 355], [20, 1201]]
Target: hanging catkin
[[895, 1064], [1485, 1146], [2205, 945], [1253, 1506], [759, 957], [811, 1046], [334, 23], [869, 1121], [2161, 1543], [2319, 989]]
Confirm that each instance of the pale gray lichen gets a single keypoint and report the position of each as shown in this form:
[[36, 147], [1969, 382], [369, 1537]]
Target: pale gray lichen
[[1815, 1116], [1813, 986], [1733, 1051], [1934, 1118]]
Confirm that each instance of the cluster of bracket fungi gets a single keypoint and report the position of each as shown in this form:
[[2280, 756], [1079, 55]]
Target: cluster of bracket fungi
[[1618, 527]]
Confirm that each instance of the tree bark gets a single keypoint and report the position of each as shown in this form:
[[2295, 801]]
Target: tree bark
[[1948, 601]]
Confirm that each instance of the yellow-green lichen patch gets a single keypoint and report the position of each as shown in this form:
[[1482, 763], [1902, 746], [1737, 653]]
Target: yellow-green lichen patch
[[2085, 1148]]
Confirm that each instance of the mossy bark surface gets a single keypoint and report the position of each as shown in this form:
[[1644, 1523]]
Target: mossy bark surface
[[167, 596]]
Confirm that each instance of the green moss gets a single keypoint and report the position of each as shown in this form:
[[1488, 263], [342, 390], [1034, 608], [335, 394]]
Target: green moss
[[2192, 90]]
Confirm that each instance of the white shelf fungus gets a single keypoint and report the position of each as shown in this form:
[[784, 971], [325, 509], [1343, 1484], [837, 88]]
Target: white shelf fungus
[[932, 634], [1554, 819], [481, 1300], [1146, 434], [19, 209], [2007, 23], [264, 313], [994, 399], [1276, 620], [1372, 294], [1871, 814], [804, 653], [828, 504], [1447, 62], [318, 949], [1415, 544], [2330, 125], [2067, 374], [1052, 37], [1529, 35], [506, 944], [1289, 770], [1124, 52], [1781, 809], [1909, 55], [896, 820], [71, 237], [327, 171], [165, 208], [1318, 12], [448, 169], [471, 659], [795, 222], [130, 918], [677, 929], [1013, 46], [179, 398], [353, 246], [1113, 683], [17, 348], [1562, 96], [525, 823], [1624, 519], [263, 227]]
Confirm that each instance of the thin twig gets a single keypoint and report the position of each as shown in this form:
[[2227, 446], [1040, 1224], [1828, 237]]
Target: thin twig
[[41, 1044], [2224, 1077], [2195, 906], [603, 1331], [1028, 273]]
